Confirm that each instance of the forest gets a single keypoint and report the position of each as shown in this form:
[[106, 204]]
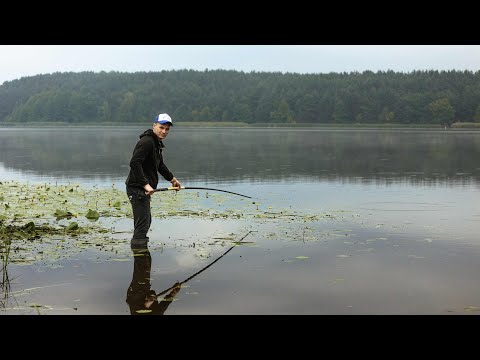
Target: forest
[[384, 97]]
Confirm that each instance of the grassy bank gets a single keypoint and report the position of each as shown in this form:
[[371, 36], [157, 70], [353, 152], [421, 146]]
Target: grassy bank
[[349, 126], [466, 125]]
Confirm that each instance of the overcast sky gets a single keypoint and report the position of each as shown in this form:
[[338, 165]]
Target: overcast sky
[[17, 61]]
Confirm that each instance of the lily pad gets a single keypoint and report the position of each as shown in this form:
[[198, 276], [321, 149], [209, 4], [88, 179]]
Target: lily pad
[[92, 214], [72, 226], [61, 214]]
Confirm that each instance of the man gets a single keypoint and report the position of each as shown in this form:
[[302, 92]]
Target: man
[[146, 163]]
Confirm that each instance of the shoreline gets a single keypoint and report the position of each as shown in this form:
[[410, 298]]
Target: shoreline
[[463, 126]]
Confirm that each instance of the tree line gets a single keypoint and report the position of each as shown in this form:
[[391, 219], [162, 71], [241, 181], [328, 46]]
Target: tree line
[[383, 97]]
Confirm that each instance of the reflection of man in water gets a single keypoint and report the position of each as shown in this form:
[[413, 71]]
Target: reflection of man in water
[[140, 298]]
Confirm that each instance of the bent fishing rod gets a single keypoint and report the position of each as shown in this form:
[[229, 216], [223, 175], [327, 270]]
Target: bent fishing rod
[[199, 188], [202, 270]]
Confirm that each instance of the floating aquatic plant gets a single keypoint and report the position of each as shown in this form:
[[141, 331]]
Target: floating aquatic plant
[[40, 217]]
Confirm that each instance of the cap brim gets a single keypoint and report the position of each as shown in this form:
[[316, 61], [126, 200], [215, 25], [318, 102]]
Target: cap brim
[[165, 122]]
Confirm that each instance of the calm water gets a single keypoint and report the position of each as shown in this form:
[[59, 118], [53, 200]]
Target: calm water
[[401, 235]]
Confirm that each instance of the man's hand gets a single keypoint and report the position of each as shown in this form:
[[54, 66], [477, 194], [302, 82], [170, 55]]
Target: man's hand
[[176, 183], [148, 190], [176, 289]]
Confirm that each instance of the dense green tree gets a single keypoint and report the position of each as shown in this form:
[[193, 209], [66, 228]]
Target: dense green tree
[[240, 112], [308, 108], [104, 112], [283, 114], [126, 108], [340, 114], [476, 117], [386, 116], [442, 111]]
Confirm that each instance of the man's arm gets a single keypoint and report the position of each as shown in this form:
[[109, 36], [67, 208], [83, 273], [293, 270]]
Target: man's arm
[[167, 175], [138, 157]]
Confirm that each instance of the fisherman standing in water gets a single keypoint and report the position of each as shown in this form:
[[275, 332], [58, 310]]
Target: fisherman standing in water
[[146, 163]]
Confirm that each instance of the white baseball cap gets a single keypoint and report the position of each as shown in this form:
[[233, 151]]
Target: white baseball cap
[[163, 119]]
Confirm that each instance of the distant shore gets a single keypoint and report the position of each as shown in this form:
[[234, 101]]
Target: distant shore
[[231, 124]]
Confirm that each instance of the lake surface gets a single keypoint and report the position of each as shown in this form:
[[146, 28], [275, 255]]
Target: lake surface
[[340, 222]]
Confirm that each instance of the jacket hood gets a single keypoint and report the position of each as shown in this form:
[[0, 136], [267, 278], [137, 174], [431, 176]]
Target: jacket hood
[[149, 132]]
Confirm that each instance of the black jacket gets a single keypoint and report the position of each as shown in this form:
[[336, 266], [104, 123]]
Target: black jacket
[[147, 162]]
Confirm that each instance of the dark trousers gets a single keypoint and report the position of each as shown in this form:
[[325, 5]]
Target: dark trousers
[[142, 216]]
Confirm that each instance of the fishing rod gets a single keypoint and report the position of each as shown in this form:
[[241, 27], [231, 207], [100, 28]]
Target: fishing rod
[[205, 268], [198, 188]]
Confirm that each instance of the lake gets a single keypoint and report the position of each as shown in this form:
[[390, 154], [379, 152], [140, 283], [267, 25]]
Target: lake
[[341, 221]]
